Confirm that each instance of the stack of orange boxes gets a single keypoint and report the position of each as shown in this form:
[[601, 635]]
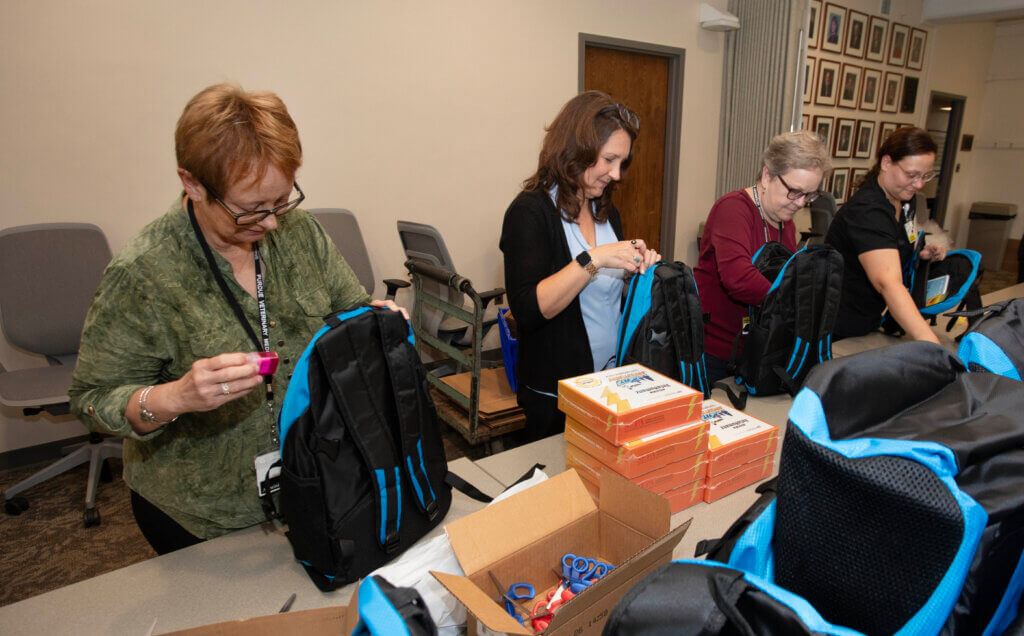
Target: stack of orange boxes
[[639, 424], [741, 450]]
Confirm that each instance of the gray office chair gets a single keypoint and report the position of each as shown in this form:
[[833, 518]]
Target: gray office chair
[[343, 228], [48, 275], [423, 242], [822, 210]]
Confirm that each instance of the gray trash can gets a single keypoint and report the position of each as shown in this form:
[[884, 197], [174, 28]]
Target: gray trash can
[[989, 230]]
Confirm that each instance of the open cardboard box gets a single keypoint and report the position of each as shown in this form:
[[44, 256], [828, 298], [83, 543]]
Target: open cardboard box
[[323, 621], [522, 539]]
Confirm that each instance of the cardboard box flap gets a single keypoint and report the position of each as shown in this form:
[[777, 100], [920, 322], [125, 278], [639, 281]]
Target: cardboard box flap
[[620, 575], [633, 506], [508, 525], [487, 611]]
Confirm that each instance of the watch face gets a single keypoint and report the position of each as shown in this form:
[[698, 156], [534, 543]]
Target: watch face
[[583, 259]]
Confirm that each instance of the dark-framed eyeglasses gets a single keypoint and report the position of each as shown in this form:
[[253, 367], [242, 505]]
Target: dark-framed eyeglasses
[[255, 216], [793, 194]]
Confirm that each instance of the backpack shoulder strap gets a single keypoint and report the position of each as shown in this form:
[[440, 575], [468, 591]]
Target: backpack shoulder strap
[[685, 314]]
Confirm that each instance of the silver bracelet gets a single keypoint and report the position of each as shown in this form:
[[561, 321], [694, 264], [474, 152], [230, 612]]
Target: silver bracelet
[[145, 414]]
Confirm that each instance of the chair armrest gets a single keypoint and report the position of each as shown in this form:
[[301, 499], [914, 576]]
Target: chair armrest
[[488, 296], [393, 285]]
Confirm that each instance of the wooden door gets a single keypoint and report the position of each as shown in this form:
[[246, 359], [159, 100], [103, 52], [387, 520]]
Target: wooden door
[[641, 82]]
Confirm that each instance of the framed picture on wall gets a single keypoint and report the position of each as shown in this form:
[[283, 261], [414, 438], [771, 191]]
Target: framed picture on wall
[[891, 92], [856, 33], [871, 85], [813, 26], [823, 127], [865, 135], [878, 29], [909, 100], [915, 55], [805, 122], [856, 176], [844, 137], [850, 86], [898, 44], [885, 129], [840, 181], [833, 28], [827, 88], [809, 79]]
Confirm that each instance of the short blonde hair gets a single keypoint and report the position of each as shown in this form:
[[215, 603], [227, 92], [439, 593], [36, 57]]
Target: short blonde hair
[[798, 150], [226, 132]]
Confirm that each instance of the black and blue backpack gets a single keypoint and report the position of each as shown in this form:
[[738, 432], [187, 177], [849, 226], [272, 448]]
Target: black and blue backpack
[[662, 325], [386, 610], [964, 269], [364, 473], [899, 504], [995, 342], [791, 331]]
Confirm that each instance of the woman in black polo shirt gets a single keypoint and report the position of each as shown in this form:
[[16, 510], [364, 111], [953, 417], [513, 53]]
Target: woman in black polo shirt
[[874, 231]]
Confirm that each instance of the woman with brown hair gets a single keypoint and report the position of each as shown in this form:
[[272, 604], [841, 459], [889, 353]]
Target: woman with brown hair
[[874, 231], [564, 254], [167, 358]]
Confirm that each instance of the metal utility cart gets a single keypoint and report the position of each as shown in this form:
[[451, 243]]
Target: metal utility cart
[[435, 287]]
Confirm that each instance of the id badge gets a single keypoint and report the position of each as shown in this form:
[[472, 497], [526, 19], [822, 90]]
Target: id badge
[[746, 324], [911, 232], [268, 466]]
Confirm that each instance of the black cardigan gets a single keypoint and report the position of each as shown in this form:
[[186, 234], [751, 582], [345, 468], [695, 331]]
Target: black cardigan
[[533, 242]]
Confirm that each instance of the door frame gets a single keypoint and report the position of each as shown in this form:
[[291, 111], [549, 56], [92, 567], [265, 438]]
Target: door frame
[[673, 124], [952, 145]]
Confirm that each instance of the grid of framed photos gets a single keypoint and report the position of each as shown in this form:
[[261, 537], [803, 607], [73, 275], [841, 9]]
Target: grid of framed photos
[[862, 71]]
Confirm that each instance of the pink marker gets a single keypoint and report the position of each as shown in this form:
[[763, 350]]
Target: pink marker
[[266, 361]]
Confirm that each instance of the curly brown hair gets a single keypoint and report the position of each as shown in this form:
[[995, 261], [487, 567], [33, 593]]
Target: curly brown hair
[[572, 144]]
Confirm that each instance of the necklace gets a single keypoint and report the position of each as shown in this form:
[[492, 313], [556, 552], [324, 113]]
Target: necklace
[[764, 221]]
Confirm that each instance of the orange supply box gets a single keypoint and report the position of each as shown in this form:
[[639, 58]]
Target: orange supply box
[[732, 480], [681, 482], [735, 438], [627, 403], [522, 540], [641, 455]]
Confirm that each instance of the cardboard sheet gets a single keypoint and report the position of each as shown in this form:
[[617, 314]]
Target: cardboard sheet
[[495, 393]]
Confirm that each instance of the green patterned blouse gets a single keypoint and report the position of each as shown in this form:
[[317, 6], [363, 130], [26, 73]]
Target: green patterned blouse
[[158, 310]]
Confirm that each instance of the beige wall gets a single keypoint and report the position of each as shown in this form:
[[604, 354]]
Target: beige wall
[[999, 144], [429, 112]]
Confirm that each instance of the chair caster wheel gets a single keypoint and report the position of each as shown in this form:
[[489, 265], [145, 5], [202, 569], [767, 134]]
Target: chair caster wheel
[[15, 506], [91, 517], [106, 476]]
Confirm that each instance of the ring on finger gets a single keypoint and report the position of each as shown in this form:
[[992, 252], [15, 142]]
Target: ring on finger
[[636, 259], [633, 243], [225, 389]]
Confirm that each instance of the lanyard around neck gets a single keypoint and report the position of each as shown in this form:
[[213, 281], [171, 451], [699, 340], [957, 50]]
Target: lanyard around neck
[[261, 301], [764, 222]]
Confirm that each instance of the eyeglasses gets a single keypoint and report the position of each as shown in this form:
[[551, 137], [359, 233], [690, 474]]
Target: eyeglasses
[[255, 216], [795, 194], [914, 176]]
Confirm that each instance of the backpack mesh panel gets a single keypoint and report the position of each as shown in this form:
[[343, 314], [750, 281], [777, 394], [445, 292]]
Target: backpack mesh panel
[[866, 540]]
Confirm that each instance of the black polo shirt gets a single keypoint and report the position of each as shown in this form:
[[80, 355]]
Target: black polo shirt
[[866, 222]]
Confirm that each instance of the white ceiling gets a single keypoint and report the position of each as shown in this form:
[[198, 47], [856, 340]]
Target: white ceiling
[[943, 11]]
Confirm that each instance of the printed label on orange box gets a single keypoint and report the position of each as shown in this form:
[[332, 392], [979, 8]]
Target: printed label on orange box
[[659, 480], [679, 496], [642, 455], [627, 403], [730, 481], [735, 438]]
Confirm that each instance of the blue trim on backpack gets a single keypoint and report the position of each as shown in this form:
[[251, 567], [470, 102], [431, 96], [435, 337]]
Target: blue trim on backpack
[[804, 610], [296, 399], [778, 278], [979, 349], [757, 253], [1008, 605], [753, 550], [382, 488], [412, 475], [803, 358], [792, 358], [808, 415], [423, 467], [640, 304], [954, 299], [377, 614], [398, 496], [310, 565]]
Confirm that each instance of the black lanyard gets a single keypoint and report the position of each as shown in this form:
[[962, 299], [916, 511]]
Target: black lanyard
[[757, 202], [261, 302]]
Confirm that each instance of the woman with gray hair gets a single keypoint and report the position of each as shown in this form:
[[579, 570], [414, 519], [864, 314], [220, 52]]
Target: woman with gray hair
[[740, 223]]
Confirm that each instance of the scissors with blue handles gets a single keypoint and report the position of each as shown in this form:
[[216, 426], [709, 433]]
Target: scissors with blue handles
[[516, 592], [581, 572]]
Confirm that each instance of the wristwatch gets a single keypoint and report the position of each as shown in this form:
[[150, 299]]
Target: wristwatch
[[587, 263], [145, 414]]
